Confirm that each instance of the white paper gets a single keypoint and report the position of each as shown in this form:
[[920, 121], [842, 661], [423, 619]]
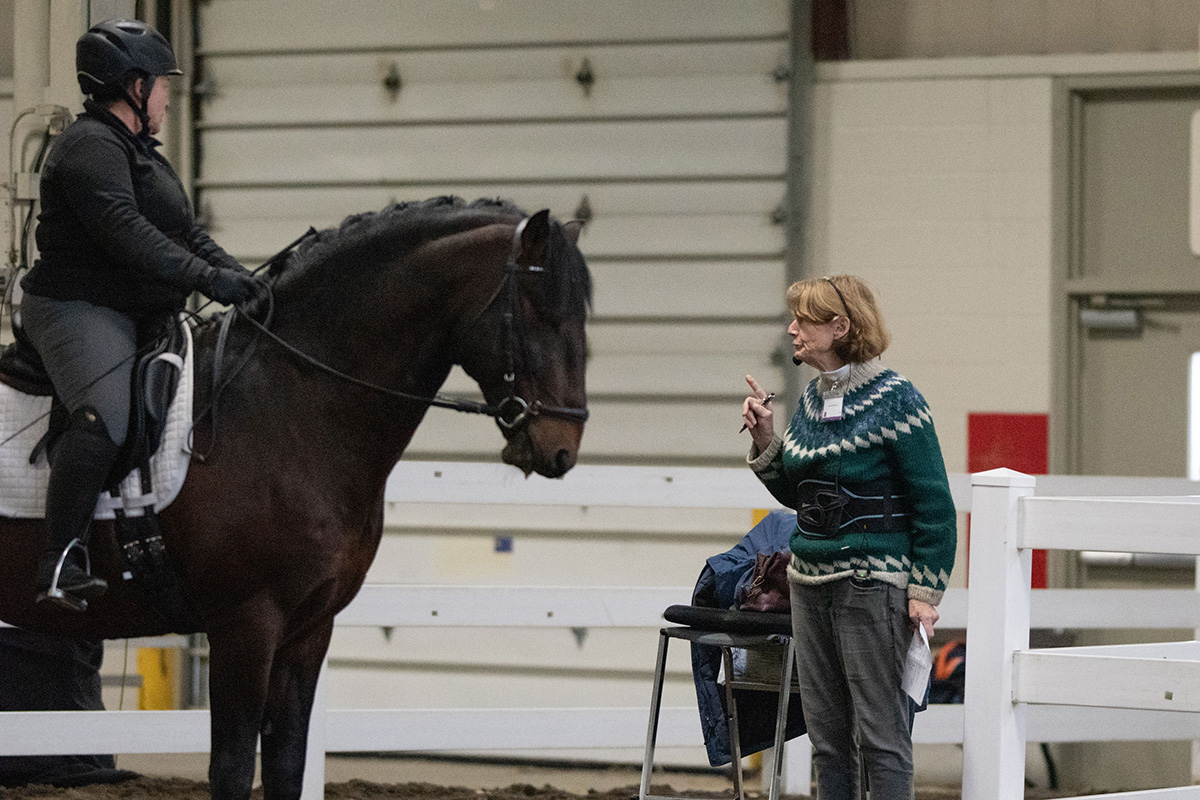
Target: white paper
[[917, 666]]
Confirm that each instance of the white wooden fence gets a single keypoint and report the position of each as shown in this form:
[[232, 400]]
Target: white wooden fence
[[430, 730], [1140, 687]]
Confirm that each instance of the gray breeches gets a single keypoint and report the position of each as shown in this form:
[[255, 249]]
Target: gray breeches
[[88, 351]]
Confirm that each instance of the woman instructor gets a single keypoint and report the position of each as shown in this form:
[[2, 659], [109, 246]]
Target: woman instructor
[[118, 243], [875, 537]]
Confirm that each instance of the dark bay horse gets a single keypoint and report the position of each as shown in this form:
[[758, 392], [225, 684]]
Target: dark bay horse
[[274, 530]]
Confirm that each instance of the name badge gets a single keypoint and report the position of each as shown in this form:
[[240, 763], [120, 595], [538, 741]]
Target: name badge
[[833, 409]]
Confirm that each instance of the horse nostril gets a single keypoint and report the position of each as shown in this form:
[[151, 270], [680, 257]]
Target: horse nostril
[[563, 461]]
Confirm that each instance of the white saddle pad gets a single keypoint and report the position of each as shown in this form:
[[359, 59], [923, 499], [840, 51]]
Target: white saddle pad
[[24, 419]]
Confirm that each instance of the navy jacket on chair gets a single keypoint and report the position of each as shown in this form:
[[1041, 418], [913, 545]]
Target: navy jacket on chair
[[717, 587]]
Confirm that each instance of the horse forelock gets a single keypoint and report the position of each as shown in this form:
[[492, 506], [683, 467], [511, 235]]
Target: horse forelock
[[570, 285]]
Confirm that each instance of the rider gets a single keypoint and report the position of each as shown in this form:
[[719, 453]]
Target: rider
[[118, 243]]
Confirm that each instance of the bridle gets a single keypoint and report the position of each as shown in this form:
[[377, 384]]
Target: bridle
[[513, 410], [510, 413]]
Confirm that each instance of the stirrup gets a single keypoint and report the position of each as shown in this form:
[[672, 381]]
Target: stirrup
[[56, 596]]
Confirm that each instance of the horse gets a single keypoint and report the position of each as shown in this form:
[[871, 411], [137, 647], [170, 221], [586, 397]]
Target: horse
[[273, 531]]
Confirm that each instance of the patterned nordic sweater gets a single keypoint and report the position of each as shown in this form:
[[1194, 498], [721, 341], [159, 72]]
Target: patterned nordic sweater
[[886, 432]]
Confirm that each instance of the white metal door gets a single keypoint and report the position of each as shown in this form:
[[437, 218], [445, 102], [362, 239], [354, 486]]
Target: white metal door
[[1133, 291], [1135, 284]]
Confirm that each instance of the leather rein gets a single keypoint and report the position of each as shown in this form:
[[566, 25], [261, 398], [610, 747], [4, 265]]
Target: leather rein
[[510, 413]]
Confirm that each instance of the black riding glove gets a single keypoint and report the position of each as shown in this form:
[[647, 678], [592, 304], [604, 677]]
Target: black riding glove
[[231, 287]]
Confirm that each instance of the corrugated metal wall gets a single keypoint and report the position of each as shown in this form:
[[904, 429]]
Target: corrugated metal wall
[[665, 122], [675, 147]]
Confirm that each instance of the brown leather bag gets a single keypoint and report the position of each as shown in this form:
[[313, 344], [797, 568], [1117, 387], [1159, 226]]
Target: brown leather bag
[[768, 587]]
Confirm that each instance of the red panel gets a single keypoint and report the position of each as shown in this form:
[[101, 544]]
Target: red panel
[[1015, 441]]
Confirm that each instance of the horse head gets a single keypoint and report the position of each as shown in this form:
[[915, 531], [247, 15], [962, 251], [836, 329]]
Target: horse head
[[527, 348]]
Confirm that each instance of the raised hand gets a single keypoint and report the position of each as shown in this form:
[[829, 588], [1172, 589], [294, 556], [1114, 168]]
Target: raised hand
[[756, 411]]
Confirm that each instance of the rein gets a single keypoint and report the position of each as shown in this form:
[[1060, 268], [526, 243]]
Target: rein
[[509, 413]]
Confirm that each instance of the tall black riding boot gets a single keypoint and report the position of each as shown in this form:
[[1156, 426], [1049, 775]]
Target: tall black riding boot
[[82, 460]]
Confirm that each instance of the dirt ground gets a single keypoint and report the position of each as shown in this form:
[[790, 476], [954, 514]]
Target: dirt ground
[[425, 777], [145, 788], [181, 789]]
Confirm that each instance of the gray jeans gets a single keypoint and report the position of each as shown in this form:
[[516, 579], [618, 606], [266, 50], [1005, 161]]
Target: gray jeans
[[852, 637], [88, 351]]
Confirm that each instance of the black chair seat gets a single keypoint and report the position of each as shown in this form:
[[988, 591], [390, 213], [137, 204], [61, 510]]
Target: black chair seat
[[726, 630], [729, 621]]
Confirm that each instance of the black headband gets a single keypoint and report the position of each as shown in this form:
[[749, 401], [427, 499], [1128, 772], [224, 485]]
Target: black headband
[[841, 297]]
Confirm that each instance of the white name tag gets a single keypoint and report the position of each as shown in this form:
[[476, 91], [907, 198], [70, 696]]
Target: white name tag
[[833, 409]]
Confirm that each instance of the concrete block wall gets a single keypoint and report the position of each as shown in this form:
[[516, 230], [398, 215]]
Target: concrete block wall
[[936, 190]]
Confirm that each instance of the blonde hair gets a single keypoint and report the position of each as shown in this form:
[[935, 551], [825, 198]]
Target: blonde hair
[[819, 300]]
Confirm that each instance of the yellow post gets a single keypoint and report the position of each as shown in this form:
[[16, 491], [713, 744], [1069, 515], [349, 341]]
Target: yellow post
[[159, 668]]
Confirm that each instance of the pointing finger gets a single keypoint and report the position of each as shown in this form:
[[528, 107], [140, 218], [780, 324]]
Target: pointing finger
[[754, 387]]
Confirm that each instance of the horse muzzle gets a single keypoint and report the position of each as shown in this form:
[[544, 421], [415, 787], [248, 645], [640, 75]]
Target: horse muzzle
[[544, 445]]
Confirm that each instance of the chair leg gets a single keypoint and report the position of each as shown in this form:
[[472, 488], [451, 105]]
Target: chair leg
[[735, 739], [785, 696], [660, 670]]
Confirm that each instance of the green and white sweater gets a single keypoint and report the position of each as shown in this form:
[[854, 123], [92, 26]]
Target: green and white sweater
[[886, 432]]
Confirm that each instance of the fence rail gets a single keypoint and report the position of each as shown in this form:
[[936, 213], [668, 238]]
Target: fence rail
[[1160, 525], [507, 730]]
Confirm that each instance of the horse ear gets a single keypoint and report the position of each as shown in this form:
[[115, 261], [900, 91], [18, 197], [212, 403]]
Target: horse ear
[[572, 229], [534, 238]]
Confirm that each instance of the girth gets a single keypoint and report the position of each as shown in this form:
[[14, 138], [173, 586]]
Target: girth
[[829, 509]]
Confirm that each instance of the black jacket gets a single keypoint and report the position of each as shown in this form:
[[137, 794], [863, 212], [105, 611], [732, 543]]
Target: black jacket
[[116, 227]]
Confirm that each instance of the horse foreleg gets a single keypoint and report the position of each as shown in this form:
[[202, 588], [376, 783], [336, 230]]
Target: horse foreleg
[[239, 671], [294, 674]]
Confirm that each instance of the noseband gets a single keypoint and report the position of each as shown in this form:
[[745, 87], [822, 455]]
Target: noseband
[[510, 413]]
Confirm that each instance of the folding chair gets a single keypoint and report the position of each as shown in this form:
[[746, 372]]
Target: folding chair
[[750, 630]]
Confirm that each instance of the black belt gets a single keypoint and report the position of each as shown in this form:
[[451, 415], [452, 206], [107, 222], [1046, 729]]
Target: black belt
[[826, 510]]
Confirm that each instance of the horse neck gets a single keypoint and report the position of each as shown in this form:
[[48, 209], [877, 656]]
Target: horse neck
[[394, 331], [410, 305]]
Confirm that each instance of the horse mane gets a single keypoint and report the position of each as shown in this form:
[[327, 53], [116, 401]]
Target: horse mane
[[407, 224], [372, 241]]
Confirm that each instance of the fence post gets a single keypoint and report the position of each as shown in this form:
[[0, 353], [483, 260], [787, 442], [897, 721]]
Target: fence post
[[1196, 742], [797, 767], [998, 626]]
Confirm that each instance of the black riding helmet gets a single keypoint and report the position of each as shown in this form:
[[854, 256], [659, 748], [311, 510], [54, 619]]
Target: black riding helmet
[[107, 54]]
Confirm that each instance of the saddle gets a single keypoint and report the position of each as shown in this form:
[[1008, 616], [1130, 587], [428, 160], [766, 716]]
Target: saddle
[[149, 470], [162, 345]]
